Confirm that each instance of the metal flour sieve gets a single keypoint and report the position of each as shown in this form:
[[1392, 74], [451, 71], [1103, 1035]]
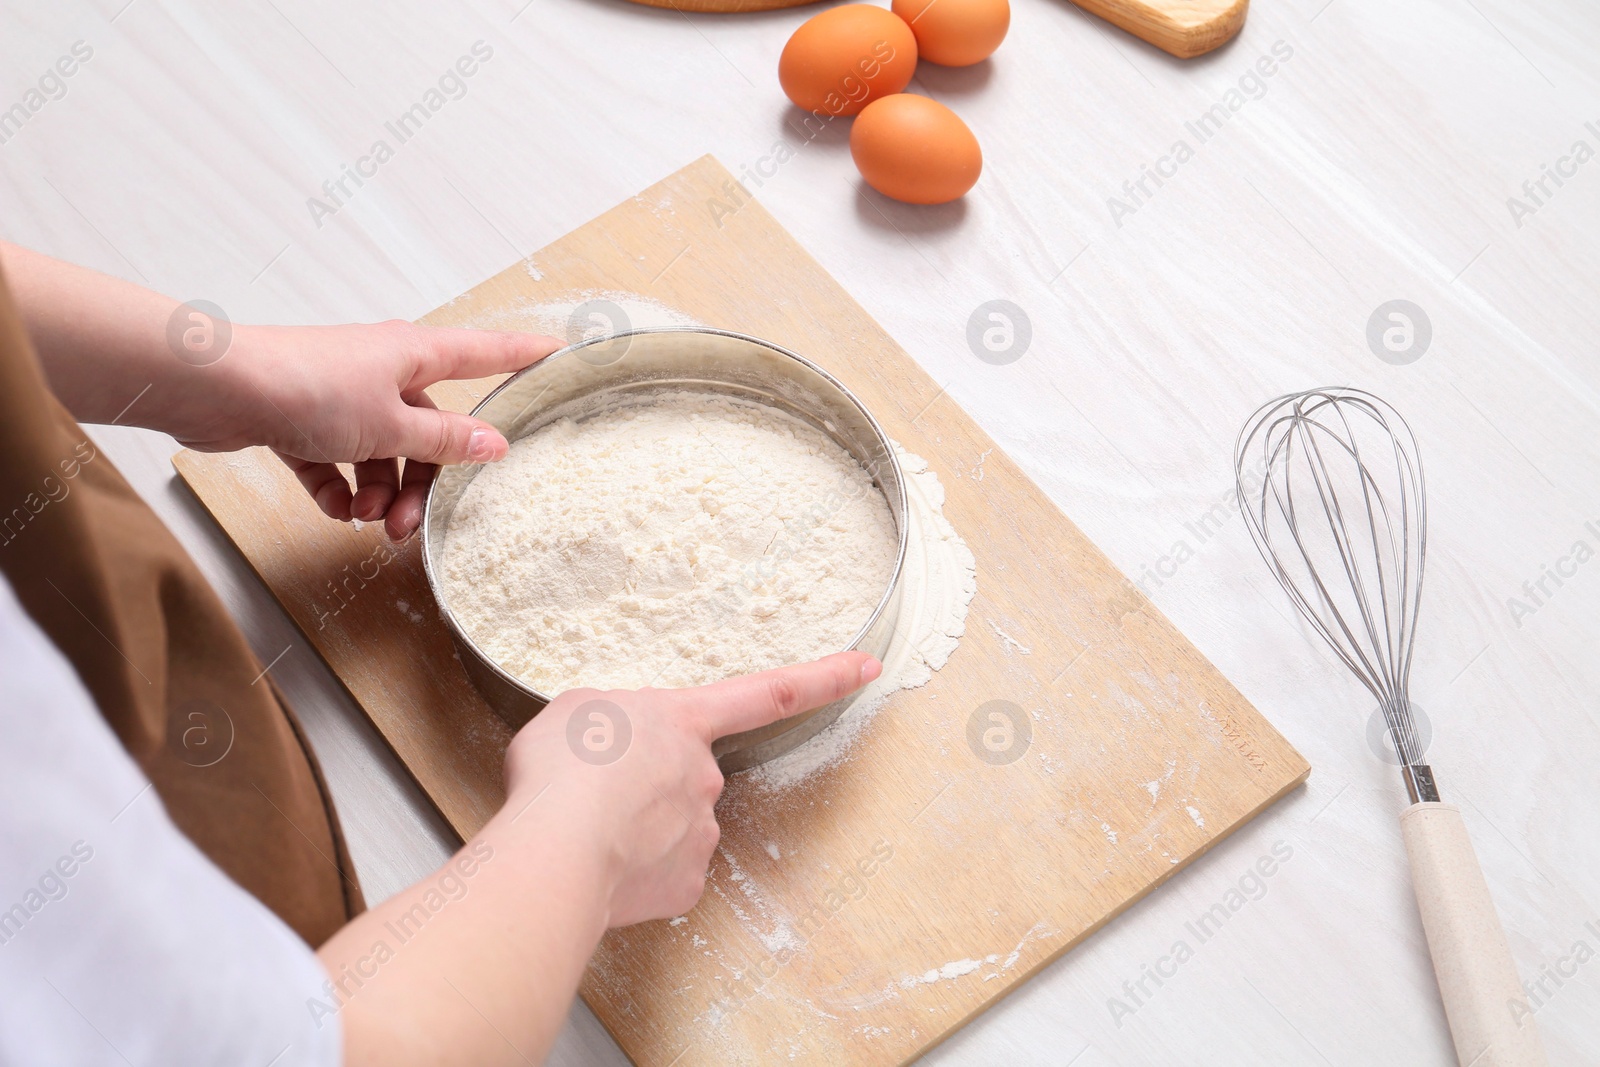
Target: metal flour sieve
[[585, 377]]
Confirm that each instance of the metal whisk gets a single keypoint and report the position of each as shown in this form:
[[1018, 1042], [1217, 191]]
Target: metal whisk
[[1339, 479], [1331, 487]]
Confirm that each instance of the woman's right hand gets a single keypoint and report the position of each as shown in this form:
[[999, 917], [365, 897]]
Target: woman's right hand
[[632, 769], [609, 820]]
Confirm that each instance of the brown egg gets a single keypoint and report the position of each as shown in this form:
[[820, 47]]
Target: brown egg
[[956, 33], [915, 149], [843, 59]]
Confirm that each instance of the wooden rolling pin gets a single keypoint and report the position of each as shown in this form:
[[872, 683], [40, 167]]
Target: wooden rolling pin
[[1183, 27]]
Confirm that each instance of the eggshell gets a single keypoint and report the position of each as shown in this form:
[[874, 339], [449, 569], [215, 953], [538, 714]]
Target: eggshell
[[915, 149], [956, 33], [840, 61]]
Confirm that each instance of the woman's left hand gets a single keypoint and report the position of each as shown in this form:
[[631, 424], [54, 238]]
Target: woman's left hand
[[316, 395], [322, 395]]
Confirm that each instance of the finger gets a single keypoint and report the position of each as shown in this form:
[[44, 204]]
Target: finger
[[405, 514], [377, 481], [740, 704], [478, 353], [434, 436], [326, 484]]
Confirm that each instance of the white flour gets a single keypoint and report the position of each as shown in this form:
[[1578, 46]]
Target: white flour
[[668, 540], [939, 580]]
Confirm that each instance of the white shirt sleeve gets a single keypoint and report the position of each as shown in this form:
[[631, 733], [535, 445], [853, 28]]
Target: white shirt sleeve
[[120, 943]]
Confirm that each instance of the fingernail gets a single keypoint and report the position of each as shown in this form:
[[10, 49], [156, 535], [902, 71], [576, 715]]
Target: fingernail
[[870, 670], [481, 445]]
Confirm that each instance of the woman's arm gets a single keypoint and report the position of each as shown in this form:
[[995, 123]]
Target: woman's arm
[[316, 395], [479, 963]]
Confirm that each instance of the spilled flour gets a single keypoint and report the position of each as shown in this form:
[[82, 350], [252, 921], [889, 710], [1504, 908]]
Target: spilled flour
[[938, 583], [994, 963], [953, 969]]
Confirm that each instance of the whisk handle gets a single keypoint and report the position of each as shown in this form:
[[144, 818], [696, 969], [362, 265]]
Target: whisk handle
[[1491, 1022]]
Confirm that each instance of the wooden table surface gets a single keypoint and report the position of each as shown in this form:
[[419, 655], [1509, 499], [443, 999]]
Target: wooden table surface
[[1375, 163]]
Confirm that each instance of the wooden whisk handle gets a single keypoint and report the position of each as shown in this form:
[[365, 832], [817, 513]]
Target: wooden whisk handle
[[1491, 1022]]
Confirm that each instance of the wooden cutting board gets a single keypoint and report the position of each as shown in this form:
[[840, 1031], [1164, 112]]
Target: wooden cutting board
[[1185, 28], [864, 914]]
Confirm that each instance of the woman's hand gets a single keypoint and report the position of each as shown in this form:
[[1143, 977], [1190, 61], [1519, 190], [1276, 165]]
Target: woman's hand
[[634, 771], [317, 395], [608, 821], [321, 395]]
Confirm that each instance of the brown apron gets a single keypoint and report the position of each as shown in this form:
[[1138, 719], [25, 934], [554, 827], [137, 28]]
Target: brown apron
[[110, 586]]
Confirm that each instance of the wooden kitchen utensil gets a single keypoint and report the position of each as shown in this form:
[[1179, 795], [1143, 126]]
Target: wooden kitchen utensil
[[863, 914], [1185, 28]]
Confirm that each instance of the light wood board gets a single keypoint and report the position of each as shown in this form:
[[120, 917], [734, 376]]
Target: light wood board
[[1142, 755], [1185, 28]]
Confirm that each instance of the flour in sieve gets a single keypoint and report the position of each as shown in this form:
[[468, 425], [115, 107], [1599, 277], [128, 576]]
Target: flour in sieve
[[671, 539]]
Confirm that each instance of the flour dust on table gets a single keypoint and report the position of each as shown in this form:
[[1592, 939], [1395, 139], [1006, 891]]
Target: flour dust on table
[[667, 539]]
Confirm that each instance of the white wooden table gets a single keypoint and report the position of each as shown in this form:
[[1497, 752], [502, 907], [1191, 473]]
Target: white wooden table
[[1374, 164]]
